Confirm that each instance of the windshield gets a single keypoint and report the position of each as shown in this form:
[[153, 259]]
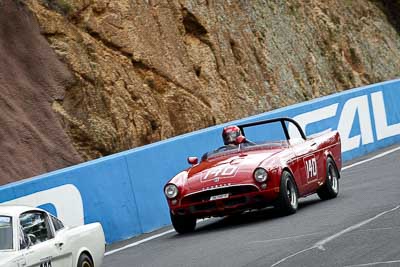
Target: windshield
[[262, 135], [6, 233]]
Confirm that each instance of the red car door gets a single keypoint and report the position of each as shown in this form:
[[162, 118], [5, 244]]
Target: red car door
[[306, 169], [312, 167], [307, 157]]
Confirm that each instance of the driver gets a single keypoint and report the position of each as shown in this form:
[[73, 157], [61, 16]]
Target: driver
[[229, 135]]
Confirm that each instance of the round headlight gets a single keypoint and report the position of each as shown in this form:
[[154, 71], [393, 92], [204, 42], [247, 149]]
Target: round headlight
[[171, 191], [260, 175]]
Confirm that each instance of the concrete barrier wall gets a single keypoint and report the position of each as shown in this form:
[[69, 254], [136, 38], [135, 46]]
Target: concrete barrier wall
[[125, 191]]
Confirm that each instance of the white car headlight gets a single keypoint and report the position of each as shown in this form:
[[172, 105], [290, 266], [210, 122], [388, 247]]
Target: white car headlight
[[171, 191], [260, 175]]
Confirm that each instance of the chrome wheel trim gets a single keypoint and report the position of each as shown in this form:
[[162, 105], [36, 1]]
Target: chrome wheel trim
[[291, 193], [86, 264], [333, 180]]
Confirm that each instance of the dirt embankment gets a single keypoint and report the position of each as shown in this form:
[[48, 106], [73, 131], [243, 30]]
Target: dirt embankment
[[32, 140]]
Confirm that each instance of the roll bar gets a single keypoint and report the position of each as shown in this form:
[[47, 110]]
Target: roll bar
[[282, 120]]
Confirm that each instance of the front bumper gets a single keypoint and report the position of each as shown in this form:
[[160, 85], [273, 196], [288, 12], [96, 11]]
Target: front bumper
[[230, 205]]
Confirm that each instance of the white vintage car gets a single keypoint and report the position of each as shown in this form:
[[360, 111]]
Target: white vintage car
[[33, 237]]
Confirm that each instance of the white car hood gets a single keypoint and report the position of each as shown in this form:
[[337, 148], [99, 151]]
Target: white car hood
[[8, 259]]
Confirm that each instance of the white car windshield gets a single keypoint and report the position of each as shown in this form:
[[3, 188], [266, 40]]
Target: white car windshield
[[6, 233]]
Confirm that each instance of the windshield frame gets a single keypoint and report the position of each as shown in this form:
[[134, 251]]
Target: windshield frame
[[241, 148], [281, 120], [12, 232]]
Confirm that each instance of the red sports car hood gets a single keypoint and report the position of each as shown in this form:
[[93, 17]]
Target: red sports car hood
[[235, 168]]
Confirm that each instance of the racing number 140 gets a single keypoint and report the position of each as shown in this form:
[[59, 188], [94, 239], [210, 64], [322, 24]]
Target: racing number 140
[[221, 171], [311, 168]]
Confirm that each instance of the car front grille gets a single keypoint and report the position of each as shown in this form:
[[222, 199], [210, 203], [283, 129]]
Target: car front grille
[[205, 195]]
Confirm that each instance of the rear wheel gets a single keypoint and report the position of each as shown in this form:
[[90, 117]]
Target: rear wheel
[[330, 189], [288, 197], [183, 224], [84, 261]]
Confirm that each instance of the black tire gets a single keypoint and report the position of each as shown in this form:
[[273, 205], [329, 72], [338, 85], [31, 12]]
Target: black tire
[[183, 224], [330, 189], [288, 195], [85, 261]]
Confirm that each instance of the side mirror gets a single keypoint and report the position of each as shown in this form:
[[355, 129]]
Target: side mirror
[[240, 139], [192, 160]]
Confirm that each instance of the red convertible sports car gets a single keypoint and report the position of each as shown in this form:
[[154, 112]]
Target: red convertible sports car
[[245, 175]]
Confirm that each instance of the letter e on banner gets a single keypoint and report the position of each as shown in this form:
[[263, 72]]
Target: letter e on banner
[[313, 116]]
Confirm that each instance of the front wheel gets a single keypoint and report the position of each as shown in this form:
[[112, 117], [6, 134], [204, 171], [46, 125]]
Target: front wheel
[[330, 189], [288, 197], [85, 261], [183, 224]]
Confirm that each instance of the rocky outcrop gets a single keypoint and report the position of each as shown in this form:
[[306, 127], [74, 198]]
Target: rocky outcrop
[[148, 70]]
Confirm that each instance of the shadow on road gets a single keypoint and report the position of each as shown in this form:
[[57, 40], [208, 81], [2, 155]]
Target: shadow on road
[[246, 218]]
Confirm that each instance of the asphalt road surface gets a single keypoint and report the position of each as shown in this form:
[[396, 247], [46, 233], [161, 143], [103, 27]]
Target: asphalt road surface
[[361, 227]]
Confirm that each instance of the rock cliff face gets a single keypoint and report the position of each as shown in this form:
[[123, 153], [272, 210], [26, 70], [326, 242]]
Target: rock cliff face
[[149, 70]]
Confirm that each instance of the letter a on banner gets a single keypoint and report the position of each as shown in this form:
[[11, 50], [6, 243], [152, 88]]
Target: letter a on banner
[[346, 122]]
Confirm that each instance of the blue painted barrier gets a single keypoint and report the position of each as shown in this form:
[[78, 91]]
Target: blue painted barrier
[[124, 191]]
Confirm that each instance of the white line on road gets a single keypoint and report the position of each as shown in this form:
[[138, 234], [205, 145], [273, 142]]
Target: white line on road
[[320, 244], [373, 158], [138, 242], [291, 256], [170, 231], [284, 238], [373, 263]]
